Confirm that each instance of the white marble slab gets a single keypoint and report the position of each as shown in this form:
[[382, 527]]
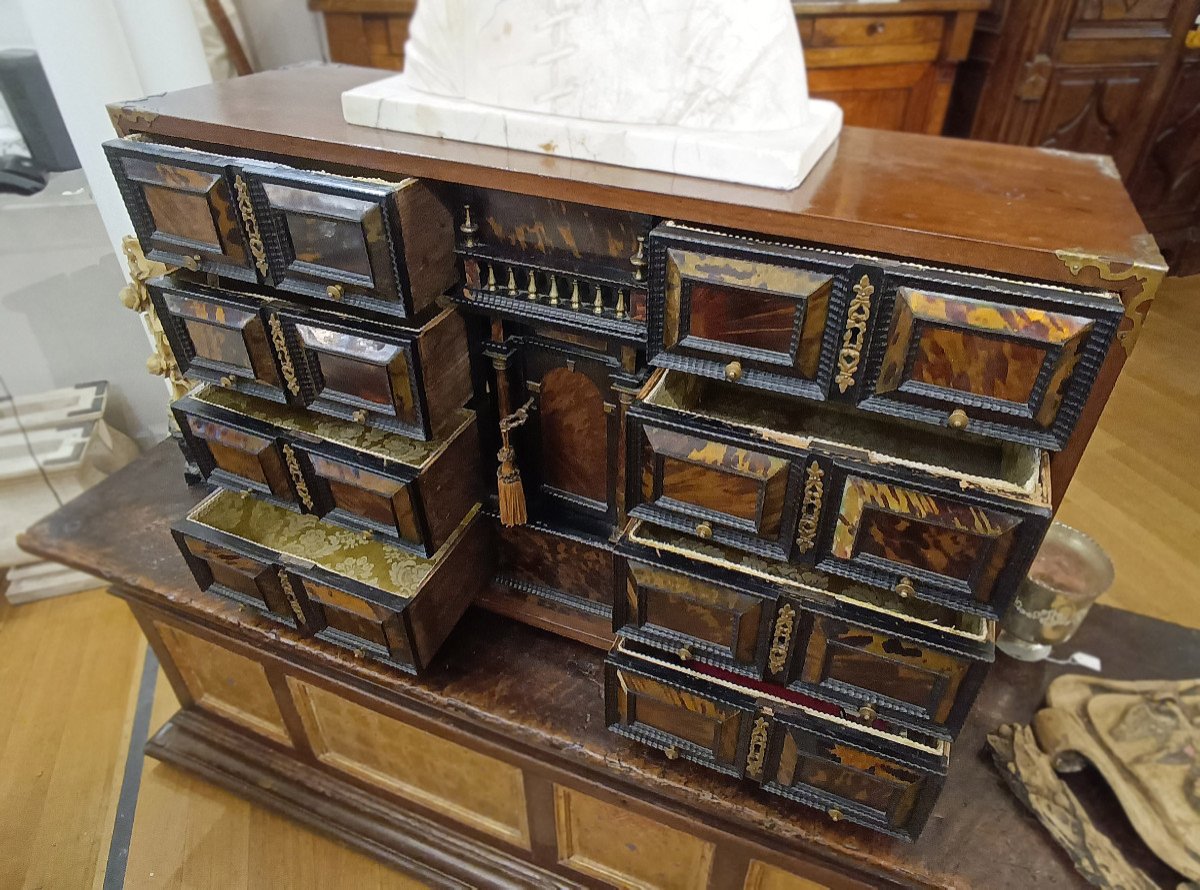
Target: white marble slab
[[701, 88], [777, 159]]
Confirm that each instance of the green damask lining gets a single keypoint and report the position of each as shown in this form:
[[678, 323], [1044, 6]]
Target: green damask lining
[[305, 538], [389, 446]]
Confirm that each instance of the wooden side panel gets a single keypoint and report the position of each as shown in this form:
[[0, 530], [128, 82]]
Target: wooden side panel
[[226, 683], [452, 486], [469, 787], [613, 845], [445, 371]]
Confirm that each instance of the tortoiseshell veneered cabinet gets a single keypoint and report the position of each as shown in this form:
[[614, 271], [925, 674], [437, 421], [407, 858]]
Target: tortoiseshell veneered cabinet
[[386, 247], [183, 207], [1000, 359], [733, 308]]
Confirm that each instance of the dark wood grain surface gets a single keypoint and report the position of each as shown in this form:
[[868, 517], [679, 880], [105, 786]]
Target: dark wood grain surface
[[1003, 208], [541, 694]]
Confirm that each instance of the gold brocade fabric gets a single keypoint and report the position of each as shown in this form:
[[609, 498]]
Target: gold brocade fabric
[[346, 553]]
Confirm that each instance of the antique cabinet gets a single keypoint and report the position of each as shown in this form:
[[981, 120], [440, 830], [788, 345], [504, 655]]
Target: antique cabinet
[[1110, 78], [889, 65], [784, 456]]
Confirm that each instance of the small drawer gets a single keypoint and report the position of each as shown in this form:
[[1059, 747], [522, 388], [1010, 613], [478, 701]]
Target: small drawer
[[409, 382], [338, 585], [183, 207], [388, 247], [736, 309], [220, 336], [959, 549], [404, 491], [876, 30], [939, 517], [793, 747], [907, 663], [998, 359]]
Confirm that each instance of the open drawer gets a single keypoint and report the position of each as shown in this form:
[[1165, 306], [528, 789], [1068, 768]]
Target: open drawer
[[953, 520], [792, 747], [907, 663], [408, 492], [344, 587]]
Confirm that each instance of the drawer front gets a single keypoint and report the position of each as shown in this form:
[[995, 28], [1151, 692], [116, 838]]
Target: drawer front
[[238, 459], [882, 673], [693, 616], [1007, 362], [358, 372], [828, 31], [352, 496], [740, 310], [715, 489], [964, 552], [387, 247], [183, 207], [888, 789], [700, 722], [250, 578], [221, 337], [356, 622]]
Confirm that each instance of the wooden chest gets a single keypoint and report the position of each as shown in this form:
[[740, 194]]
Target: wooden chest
[[784, 456]]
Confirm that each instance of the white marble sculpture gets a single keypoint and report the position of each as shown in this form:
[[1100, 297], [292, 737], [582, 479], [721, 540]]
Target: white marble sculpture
[[710, 88]]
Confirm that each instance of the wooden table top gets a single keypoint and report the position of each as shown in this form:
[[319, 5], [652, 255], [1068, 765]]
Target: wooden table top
[[1008, 209], [542, 694]]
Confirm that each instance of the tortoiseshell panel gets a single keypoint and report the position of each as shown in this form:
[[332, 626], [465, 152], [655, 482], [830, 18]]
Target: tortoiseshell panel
[[383, 502], [246, 577], [944, 347], [738, 486], [358, 618], [742, 317], [358, 370], [574, 434], [223, 345], [904, 529], [182, 207], [646, 702], [725, 619], [878, 663], [252, 459], [835, 768]]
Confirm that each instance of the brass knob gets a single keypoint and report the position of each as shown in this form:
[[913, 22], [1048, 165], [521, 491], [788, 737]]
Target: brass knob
[[958, 419], [156, 365], [192, 263], [684, 653], [876, 28], [733, 372], [228, 382], [835, 814], [335, 291], [672, 753], [867, 714], [704, 530], [359, 416], [360, 653], [905, 588]]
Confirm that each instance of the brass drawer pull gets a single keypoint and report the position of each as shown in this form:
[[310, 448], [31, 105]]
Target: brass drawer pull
[[705, 530], [684, 653], [876, 28], [905, 588], [958, 419], [335, 291], [867, 714], [672, 753], [835, 814], [228, 382], [192, 263], [733, 372], [359, 416]]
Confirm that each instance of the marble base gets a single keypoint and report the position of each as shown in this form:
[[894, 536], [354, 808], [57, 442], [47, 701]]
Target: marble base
[[778, 159]]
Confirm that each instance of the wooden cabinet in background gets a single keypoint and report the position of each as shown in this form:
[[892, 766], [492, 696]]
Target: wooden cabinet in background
[[1111, 77], [890, 65]]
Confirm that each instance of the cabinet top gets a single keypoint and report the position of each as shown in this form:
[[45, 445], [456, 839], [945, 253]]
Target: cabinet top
[[1025, 212]]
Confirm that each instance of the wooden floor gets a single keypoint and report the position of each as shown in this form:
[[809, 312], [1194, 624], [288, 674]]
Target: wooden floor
[[70, 669]]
